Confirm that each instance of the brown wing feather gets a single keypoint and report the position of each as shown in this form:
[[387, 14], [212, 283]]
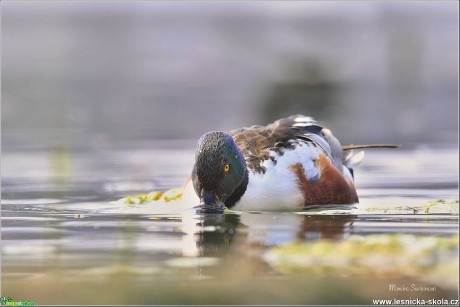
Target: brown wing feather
[[257, 142]]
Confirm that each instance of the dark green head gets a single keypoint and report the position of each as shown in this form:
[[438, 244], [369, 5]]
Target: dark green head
[[219, 175]]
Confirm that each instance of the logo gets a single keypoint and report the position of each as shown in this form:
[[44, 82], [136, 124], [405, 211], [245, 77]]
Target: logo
[[8, 301]]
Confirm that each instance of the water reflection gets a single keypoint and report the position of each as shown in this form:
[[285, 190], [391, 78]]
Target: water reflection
[[217, 234], [214, 235], [237, 242], [325, 227]]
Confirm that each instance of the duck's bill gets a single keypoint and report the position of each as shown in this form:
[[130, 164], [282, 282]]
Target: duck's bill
[[210, 203], [210, 208]]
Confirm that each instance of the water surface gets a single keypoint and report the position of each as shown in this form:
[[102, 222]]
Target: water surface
[[65, 239]]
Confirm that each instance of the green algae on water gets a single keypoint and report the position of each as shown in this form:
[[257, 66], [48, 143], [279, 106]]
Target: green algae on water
[[153, 197], [380, 255], [428, 207], [434, 205]]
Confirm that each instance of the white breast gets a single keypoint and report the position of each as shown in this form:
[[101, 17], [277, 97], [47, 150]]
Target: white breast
[[277, 188]]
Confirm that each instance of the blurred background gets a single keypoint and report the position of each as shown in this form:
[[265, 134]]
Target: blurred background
[[106, 99], [86, 74]]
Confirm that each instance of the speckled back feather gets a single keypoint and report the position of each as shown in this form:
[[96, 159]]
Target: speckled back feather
[[258, 142]]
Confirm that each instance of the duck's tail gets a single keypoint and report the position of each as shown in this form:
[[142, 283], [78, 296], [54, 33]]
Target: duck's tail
[[351, 161], [350, 147]]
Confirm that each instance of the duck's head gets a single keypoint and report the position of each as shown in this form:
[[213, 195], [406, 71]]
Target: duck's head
[[219, 171]]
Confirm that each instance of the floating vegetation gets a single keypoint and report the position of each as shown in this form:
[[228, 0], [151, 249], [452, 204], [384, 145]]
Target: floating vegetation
[[382, 255], [434, 205], [429, 207], [152, 197]]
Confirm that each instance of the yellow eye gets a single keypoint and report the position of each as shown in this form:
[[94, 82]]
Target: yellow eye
[[226, 168]]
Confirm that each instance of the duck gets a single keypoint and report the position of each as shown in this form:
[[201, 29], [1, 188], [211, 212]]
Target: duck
[[291, 164]]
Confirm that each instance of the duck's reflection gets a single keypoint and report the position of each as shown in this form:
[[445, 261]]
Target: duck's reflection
[[217, 234], [314, 227], [240, 239]]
